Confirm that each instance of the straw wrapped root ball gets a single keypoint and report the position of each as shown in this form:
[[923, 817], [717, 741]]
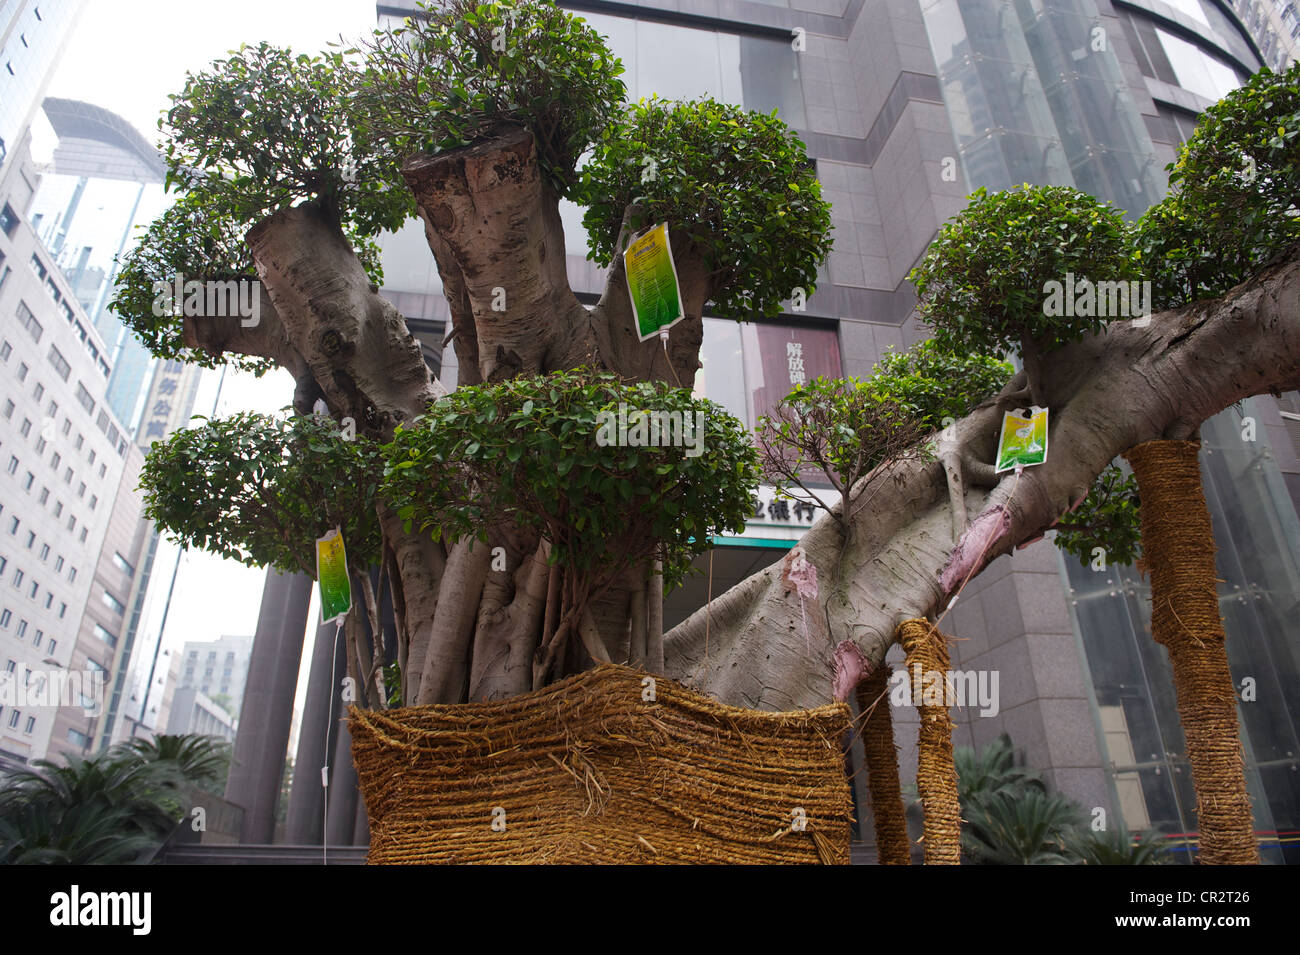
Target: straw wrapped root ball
[[611, 766]]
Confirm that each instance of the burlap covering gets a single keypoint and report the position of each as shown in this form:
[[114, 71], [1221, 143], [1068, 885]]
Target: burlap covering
[[936, 774], [887, 810], [587, 771], [1178, 552]]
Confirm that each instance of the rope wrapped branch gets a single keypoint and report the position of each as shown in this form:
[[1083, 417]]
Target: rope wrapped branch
[[1178, 552], [887, 810], [612, 765], [936, 774]]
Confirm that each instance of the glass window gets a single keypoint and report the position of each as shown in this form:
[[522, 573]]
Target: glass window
[[112, 603], [60, 363], [678, 62], [1196, 70], [105, 635], [28, 321]]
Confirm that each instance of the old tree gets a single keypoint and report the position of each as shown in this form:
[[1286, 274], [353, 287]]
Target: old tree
[[514, 547]]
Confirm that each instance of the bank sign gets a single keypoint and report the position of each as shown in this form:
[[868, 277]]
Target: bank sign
[[781, 517]]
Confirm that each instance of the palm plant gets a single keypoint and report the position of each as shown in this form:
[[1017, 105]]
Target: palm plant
[[115, 808], [1029, 827], [992, 769], [106, 809], [1119, 847], [200, 759], [1009, 818]]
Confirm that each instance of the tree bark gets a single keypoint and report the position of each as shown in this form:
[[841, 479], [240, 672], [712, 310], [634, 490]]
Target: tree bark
[[360, 352], [1178, 551]]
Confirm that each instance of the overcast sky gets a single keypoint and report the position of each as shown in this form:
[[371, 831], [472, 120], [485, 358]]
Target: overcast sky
[[128, 56]]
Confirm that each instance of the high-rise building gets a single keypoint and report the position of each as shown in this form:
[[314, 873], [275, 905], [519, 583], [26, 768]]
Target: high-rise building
[[68, 481], [105, 181], [192, 711], [33, 34], [80, 555], [1275, 26], [906, 107]]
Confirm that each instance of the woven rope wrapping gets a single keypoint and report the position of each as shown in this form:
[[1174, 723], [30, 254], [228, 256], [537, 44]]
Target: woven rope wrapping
[[936, 775], [887, 811], [587, 771], [1178, 552]]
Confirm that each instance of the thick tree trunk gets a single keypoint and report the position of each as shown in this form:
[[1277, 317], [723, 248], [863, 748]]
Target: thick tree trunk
[[359, 350], [1107, 393], [1178, 552]]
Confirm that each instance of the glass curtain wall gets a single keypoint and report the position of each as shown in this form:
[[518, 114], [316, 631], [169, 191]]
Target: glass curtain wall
[[1035, 94], [1258, 563]]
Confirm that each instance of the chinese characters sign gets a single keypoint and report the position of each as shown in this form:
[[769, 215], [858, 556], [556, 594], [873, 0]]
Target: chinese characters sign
[[169, 403]]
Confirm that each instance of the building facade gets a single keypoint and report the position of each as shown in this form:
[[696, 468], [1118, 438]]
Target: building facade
[[68, 470], [218, 669], [193, 711]]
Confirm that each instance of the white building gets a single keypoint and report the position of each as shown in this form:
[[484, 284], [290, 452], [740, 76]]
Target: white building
[[218, 668], [63, 457]]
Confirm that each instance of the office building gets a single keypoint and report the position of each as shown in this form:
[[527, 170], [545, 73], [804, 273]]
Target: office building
[[68, 480]]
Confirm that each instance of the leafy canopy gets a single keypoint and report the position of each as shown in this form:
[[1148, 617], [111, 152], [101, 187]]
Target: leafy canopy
[[1236, 198], [262, 489], [931, 383], [457, 70], [1108, 518], [529, 451], [846, 428], [981, 284], [190, 241], [737, 183], [265, 129]]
